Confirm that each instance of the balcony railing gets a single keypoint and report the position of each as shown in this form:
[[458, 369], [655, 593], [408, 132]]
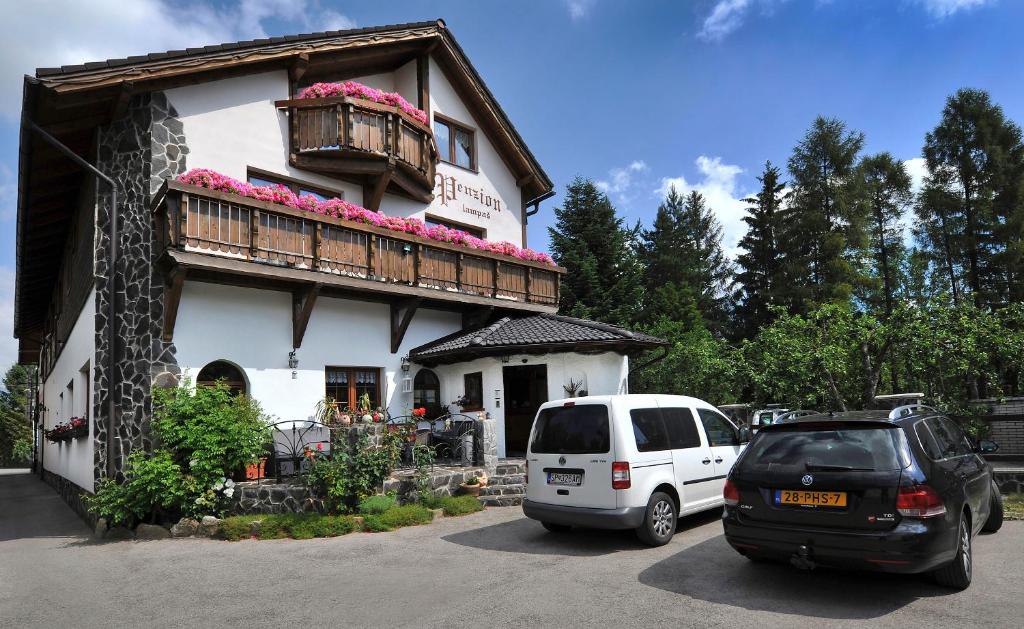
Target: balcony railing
[[194, 219], [340, 128]]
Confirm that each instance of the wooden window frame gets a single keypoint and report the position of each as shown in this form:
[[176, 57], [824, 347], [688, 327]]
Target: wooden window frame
[[450, 224], [465, 392], [353, 400], [452, 124], [292, 183]]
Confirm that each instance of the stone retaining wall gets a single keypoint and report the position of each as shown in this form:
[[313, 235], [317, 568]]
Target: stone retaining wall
[[260, 498], [71, 494]]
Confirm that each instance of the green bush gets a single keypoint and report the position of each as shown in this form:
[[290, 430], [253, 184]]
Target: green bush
[[406, 515], [344, 479], [237, 527], [376, 505], [296, 525], [375, 524], [454, 505], [154, 489]]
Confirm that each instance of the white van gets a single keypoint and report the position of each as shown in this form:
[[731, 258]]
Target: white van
[[628, 462]]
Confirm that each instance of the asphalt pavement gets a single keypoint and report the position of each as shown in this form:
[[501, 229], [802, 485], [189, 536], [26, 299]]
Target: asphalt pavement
[[494, 569]]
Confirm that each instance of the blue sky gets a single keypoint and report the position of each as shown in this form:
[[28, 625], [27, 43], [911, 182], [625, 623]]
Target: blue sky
[[636, 95]]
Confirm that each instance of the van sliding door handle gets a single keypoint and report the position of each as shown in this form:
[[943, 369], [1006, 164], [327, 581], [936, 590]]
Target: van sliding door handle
[[706, 461], [718, 460]]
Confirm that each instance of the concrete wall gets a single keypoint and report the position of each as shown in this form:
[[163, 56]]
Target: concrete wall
[[603, 374], [253, 329], [72, 459]]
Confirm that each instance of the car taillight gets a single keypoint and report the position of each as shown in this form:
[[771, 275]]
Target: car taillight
[[731, 493], [919, 501], [620, 475]]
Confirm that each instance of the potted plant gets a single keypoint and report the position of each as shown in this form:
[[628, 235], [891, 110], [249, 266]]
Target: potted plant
[[472, 486], [365, 408], [329, 413]]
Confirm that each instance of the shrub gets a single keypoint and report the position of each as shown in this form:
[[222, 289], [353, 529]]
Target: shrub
[[343, 480], [407, 515], [454, 505], [296, 525], [237, 527], [376, 505], [375, 524], [154, 488]]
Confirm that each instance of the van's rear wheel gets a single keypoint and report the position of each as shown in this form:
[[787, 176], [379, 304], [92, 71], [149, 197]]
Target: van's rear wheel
[[556, 528], [659, 521]]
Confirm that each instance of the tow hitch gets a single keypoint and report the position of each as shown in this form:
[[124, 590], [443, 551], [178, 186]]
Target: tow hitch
[[802, 558]]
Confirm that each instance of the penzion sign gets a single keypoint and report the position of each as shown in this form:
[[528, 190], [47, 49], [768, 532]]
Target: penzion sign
[[473, 201]]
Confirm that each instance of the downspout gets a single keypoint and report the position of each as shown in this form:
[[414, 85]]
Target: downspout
[[535, 202], [111, 308]]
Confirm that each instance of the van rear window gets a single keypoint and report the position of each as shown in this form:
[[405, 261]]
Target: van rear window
[[868, 449], [581, 429]]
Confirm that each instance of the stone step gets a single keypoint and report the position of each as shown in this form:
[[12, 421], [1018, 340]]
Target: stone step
[[511, 468], [501, 501], [503, 490], [509, 479]]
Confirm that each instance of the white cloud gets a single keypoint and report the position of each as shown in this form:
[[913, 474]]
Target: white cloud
[[48, 33], [917, 168], [720, 186], [578, 9], [8, 344], [621, 180], [725, 17], [945, 8]]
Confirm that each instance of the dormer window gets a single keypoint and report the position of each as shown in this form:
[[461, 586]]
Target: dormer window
[[456, 143]]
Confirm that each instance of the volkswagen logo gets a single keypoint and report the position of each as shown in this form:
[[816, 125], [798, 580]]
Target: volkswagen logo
[[561, 460], [807, 480]]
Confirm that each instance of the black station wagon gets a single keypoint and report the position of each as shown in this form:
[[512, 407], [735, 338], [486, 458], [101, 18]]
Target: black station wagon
[[898, 491]]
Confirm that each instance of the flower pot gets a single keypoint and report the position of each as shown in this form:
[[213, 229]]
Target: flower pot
[[345, 419], [256, 471], [471, 490], [367, 418]]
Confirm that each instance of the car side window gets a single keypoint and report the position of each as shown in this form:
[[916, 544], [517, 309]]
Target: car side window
[[928, 442], [719, 430], [960, 440], [682, 428], [945, 437], [649, 429]]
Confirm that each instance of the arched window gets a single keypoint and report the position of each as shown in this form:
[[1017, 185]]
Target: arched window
[[426, 393], [222, 370]]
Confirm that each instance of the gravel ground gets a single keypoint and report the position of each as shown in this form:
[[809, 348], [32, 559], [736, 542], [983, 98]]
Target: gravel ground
[[489, 569]]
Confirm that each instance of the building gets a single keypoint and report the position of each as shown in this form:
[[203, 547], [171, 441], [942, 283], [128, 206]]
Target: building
[[290, 296]]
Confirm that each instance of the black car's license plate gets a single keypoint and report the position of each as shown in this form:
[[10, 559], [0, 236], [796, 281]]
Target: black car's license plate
[[565, 478]]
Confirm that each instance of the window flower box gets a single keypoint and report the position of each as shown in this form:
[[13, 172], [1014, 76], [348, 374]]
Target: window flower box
[[74, 428]]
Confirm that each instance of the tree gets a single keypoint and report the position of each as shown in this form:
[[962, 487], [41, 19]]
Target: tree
[[760, 276], [827, 227], [707, 269], [15, 429], [886, 194], [604, 275], [974, 195]]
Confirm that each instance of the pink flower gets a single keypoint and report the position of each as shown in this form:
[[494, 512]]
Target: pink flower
[[358, 90]]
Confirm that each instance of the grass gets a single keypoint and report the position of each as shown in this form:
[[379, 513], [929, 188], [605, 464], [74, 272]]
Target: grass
[[1013, 507], [376, 505], [454, 505], [397, 517]]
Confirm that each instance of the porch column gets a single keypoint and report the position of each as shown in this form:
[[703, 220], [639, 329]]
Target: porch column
[[487, 442]]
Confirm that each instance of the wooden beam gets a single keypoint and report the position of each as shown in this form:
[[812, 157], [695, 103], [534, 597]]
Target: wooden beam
[[302, 308], [525, 180], [172, 297], [373, 195], [298, 68], [119, 107], [423, 82], [401, 316]]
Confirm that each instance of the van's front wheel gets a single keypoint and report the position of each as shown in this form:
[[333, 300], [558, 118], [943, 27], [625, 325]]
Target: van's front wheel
[[659, 521]]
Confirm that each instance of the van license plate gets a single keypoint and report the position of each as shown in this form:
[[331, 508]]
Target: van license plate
[[810, 498], [561, 478]]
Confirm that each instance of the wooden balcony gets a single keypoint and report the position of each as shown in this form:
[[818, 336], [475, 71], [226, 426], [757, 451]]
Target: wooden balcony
[[216, 236], [378, 146]]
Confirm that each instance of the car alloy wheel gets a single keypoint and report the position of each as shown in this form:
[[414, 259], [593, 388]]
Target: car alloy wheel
[[965, 547], [662, 518]]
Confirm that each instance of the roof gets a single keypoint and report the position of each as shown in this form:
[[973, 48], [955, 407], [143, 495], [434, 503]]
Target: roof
[[533, 334]]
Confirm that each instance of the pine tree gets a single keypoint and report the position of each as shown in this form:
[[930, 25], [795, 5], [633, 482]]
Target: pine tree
[[885, 185], [823, 239], [604, 275], [975, 155], [15, 430], [709, 271], [760, 277]]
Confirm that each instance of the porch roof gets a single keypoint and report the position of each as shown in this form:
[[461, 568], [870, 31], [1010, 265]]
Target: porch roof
[[536, 334]]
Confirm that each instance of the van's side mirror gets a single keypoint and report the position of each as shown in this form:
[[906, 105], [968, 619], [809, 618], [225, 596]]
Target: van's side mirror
[[986, 446], [744, 434]]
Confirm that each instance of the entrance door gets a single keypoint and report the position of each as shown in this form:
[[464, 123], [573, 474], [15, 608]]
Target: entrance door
[[526, 388]]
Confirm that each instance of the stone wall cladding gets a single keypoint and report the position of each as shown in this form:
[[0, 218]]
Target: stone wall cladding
[[146, 145], [253, 498], [72, 494]]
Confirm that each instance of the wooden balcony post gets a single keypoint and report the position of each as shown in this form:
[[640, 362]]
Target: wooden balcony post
[[317, 244], [254, 233], [497, 278], [529, 283], [416, 252], [183, 221], [458, 271], [372, 260]]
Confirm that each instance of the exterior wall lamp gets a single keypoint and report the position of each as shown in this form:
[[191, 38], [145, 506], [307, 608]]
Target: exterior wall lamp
[[293, 364], [405, 363]]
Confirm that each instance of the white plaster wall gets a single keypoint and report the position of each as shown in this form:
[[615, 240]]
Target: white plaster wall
[[72, 459], [493, 177], [231, 124], [252, 329], [603, 374]]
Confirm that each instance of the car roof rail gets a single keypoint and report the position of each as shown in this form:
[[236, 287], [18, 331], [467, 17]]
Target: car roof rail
[[910, 409], [800, 412]]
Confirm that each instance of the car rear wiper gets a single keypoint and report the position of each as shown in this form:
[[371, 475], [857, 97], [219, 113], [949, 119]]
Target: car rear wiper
[[819, 467]]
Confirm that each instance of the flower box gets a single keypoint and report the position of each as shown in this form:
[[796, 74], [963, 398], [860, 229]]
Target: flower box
[[74, 428]]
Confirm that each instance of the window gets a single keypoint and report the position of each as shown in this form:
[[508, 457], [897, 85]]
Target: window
[[720, 431], [347, 384], [682, 428], [949, 440], [262, 178], [456, 143], [875, 449], [649, 429], [426, 393], [580, 429], [476, 232], [474, 391], [221, 370]]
